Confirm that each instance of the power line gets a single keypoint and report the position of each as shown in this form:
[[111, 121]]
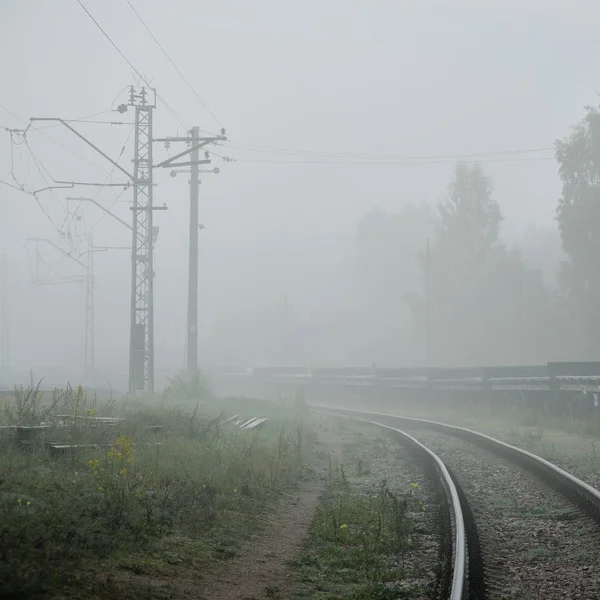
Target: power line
[[39, 166], [14, 187], [171, 110], [110, 175], [109, 39], [12, 114], [369, 156], [389, 162], [174, 65]]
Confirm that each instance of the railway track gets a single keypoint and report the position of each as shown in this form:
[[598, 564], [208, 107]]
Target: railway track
[[510, 550], [459, 571]]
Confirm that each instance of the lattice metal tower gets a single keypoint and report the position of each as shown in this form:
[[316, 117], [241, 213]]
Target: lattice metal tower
[[141, 347]]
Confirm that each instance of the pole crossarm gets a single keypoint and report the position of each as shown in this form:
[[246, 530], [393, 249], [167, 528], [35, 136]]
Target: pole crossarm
[[169, 161], [190, 163], [104, 248], [202, 142], [82, 137], [74, 183], [189, 139], [137, 208]]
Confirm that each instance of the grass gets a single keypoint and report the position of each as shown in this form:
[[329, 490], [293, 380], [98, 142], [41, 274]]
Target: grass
[[542, 510], [538, 553], [360, 537], [164, 501]]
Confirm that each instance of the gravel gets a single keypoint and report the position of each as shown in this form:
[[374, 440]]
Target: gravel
[[536, 543]]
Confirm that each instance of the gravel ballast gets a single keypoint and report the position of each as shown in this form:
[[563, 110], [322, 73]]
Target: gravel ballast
[[536, 543]]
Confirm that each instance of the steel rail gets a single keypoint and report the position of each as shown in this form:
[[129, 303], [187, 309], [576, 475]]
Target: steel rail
[[582, 494], [460, 560]]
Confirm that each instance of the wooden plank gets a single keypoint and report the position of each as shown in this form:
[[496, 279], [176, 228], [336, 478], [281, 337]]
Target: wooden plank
[[244, 424], [257, 423]]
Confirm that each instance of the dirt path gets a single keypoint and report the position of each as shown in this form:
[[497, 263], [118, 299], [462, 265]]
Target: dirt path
[[261, 570]]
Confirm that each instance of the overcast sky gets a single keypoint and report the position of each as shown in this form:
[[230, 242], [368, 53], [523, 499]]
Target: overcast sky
[[401, 78]]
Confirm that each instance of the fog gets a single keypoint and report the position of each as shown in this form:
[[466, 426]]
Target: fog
[[310, 253]]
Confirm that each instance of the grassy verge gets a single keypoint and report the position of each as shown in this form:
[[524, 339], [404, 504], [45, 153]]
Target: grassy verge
[[163, 492], [366, 532]]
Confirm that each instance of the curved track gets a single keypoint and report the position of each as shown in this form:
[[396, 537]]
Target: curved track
[[467, 463], [461, 571]]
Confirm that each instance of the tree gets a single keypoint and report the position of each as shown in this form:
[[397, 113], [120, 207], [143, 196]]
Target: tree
[[578, 215], [469, 218], [390, 283], [466, 240]]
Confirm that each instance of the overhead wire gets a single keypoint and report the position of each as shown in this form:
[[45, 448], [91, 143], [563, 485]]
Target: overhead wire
[[14, 187], [41, 170], [109, 39], [12, 114], [12, 159], [117, 196], [190, 86], [371, 156], [141, 77], [389, 162], [110, 174], [176, 115]]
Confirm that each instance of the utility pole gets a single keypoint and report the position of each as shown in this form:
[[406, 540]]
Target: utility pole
[[195, 143], [285, 330], [141, 340], [192, 310], [5, 333], [89, 314], [427, 306]]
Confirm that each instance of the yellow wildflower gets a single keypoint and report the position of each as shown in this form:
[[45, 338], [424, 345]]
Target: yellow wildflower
[[100, 489], [343, 526]]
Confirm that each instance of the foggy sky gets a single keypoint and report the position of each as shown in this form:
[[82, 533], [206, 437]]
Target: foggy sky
[[422, 78]]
